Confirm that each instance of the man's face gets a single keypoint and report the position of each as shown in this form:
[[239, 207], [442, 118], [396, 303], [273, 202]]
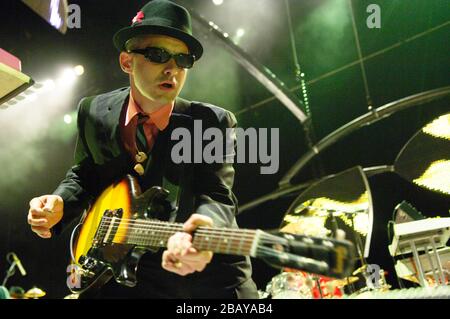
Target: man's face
[[152, 79]]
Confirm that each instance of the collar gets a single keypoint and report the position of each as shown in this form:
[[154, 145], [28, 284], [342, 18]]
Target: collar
[[160, 117]]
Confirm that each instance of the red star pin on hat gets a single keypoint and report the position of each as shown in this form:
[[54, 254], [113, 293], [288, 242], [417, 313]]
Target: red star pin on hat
[[138, 18]]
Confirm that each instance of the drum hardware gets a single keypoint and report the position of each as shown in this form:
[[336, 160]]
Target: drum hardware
[[337, 206], [289, 285], [35, 293]]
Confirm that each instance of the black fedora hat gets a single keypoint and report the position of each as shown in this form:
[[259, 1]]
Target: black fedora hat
[[161, 17]]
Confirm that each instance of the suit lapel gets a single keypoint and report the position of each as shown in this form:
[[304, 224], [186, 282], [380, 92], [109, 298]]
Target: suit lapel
[[109, 115]]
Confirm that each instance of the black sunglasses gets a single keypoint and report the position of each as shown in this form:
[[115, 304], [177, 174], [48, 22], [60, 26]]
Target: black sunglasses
[[158, 55]]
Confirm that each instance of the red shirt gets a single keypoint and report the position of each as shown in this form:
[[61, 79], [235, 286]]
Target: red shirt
[[157, 121]]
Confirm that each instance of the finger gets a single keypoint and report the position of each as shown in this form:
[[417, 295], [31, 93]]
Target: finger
[[172, 264], [36, 203], [182, 268], [199, 267], [43, 232], [202, 257], [37, 212], [50, 204], [45, 235], [186, 269], [206, 256], [37, 222], [169, 257], [179, 243], [40, 229], [197, 220], [195, 265]]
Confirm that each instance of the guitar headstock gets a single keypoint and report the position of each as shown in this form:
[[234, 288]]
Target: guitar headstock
[[323, 256]]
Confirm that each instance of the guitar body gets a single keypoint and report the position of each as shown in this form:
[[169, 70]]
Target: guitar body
[[101, 251]]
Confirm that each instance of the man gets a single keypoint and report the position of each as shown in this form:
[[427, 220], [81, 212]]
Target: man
[[156, 52]]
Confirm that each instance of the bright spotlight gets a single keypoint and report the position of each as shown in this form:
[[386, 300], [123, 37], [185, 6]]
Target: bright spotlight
[[240, 33], [217, 2], [67, 119], [68, 77], [48, 85], [79, 70], [31, 97]]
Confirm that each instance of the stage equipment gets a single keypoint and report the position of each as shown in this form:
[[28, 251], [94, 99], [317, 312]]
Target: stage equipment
[[338, 206], [421, 248], [367, 119], [14, 262], [338, 202], [12, 81], [425, 159], [35, 293], [261, 73], [54, 12], [441, 292]]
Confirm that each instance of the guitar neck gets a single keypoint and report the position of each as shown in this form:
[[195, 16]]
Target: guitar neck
[[229, 241]]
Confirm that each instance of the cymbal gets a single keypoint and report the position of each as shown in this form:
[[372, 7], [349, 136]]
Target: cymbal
[[35, 293], [341, 201]]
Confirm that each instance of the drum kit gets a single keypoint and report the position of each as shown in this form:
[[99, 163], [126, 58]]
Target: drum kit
[[340, 206]]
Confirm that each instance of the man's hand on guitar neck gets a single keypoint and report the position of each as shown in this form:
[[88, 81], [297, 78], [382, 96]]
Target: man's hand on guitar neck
[[45, 212], [181, 257]]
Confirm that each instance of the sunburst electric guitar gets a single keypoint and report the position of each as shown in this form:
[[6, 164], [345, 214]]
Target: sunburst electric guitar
[[119, 228]]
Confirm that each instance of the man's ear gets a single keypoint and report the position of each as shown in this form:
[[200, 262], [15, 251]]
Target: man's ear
[[125, 60]]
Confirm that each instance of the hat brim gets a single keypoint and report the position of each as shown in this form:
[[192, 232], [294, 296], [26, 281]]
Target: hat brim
[[125, 34]]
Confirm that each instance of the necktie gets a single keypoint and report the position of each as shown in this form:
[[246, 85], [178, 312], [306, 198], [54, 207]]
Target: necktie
[[141, 140], [141, 144]]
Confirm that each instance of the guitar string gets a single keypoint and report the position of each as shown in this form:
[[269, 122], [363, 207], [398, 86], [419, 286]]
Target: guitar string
[[158, 222], [235, 246], [243, 242], [213, 241], [141, 223], [103, 229], [167, 233], [160, 234], [213, 234], [199, 247], [203, 231]]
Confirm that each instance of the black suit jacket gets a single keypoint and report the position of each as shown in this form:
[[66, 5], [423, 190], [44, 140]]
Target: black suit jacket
[[101, 159]]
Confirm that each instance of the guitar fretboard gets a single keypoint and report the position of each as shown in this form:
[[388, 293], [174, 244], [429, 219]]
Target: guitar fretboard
[[147, 233]]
